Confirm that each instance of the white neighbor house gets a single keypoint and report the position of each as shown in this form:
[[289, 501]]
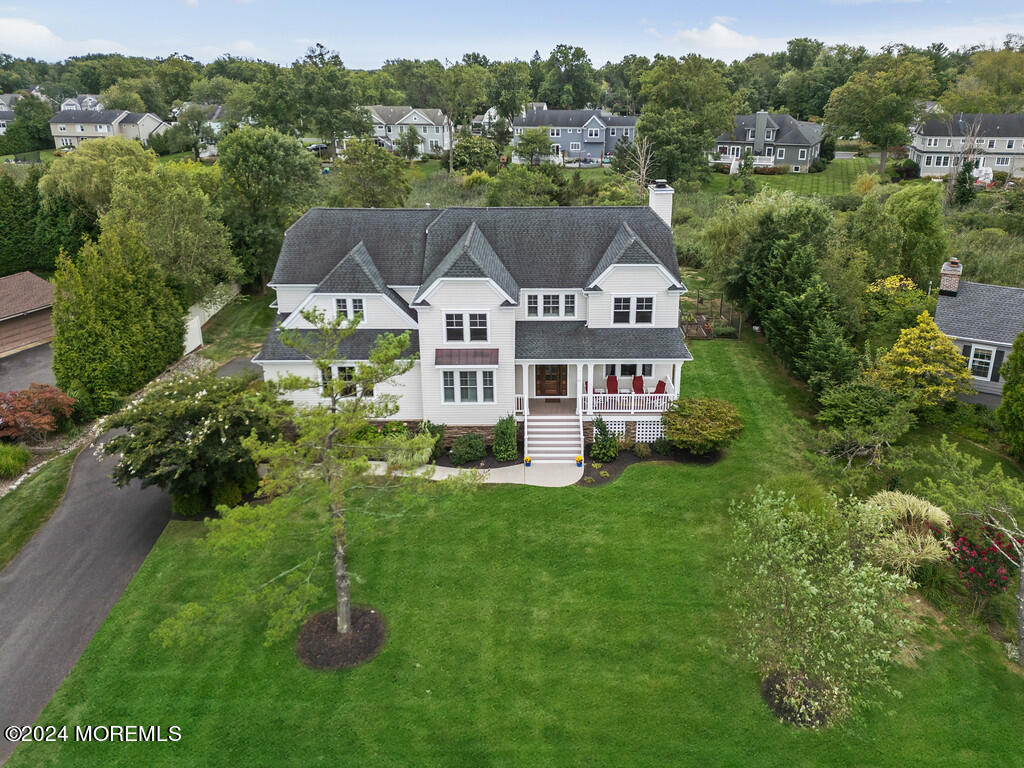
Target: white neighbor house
[[556, 315]]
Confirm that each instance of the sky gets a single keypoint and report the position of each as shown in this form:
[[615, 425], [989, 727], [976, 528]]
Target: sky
[[365, 33]]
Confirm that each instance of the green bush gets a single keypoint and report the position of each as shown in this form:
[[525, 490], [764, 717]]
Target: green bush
[[606, 444], [724, 331], [13, 460], [437, 432], [467, 448], [642, 450], [662, 446], [228, 494], [476, 179], [188, 504], [505, 447], [817, 166], [701, 425]]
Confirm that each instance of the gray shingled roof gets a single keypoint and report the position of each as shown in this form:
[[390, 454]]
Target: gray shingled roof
[[573, 340], [984, 312], [472, 256], [131, 118], [355, 347], [6, 114], [1009, 126], [625, 248], [87, 116], [569, 118], [789, 130], [356, 273], [394, 115]]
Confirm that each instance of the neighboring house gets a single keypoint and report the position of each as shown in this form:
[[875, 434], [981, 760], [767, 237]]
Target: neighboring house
[[215, 117], [983, 321], [773, 139], [70, 128], [25, 304], [432, 124], [577, 133], [6, 118], [82, 101], [7, 100], [536, 312], [939, 144], [481, 123]]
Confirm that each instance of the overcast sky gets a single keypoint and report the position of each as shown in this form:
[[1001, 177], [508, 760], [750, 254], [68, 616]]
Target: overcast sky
[[367, 33]]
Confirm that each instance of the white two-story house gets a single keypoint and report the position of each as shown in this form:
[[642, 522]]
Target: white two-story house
[[391, 122], [555, 315]]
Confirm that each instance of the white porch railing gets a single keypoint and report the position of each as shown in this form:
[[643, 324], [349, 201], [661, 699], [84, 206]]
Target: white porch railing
[[519, 403], [626, 403]]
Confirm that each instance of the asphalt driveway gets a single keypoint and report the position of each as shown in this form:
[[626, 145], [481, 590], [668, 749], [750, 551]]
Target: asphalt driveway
[[33, 366], [59, 589]]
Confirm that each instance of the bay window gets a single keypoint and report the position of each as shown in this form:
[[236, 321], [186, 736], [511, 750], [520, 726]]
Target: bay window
[[467, 386]]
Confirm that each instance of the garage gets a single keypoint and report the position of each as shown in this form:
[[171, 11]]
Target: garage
[[26, 303]]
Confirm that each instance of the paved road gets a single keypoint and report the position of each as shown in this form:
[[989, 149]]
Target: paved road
[[32, 366], [59, 589]]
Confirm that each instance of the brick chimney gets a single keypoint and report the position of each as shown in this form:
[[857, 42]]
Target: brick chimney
[[949, 280], [659, 197]]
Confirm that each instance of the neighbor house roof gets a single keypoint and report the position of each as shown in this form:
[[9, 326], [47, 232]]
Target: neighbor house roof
[[22, 293], [789, 129], [569, 118], [88, 116], [570, 340], [988, 125], [357, 346], [982, 312], [394, 115]]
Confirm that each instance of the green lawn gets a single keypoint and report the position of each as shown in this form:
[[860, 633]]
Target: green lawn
[[239, 329], [836, 179], [27, 507], [528, 626]]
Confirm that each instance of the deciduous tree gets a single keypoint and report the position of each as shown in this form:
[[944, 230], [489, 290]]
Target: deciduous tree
[[368, 176]]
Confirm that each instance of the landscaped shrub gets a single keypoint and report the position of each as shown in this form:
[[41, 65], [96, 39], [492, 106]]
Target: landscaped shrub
[[188, 504], [606, 445], [626, 442], [13, 460], [817, 166], [467, 448], [28, 414], [642, 450], [905, 169], [228, 494], [701, 425], [437, 432], [982, 569], [476, 179], [505, 448], [662, 446]]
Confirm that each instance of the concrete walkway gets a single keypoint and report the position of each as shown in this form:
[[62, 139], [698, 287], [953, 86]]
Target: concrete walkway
[[547, 475], [59, 589]]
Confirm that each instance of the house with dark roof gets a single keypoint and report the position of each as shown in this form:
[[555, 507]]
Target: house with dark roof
[[71, 127], [25, 306], [773, 139], [6, 118], [997, 142], [555, 315], [389, 123], [577, 134], [983, 320], [82, 101]]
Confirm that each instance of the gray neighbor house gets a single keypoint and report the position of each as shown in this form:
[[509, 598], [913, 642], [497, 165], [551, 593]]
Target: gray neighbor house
[[983, 321], [773, 138], [577, 134]]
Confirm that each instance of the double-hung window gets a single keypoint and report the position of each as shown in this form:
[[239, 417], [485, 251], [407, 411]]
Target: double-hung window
[[1002, 161], [644, 310], [574, 146], [348, 308], [781, 154], [802, 154], [465, 326], [1009, 143], [593, 133], [531, 305], [477, 326], [552, 303], [569, 305], [633, 310], [991, 143], [454, 328], [981, 362], [621, 310], [554, 133], [467, 386], [611, 131], [933, 142]]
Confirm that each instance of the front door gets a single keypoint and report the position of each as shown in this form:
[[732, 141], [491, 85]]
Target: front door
[[551, 380]]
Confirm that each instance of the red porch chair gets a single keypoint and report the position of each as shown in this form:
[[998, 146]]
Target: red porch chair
[[660, 389], [613, 385], [638, 385]]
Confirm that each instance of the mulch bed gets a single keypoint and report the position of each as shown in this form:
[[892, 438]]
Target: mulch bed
[[627, 459], [487, 462], [771, 691], [319, 646]]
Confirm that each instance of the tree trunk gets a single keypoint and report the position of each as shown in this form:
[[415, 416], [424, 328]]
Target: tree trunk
[[451, 146], [341, 581], [1020, 612], [881, 164]]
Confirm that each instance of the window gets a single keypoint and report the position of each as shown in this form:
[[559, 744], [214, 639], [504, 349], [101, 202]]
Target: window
[[627, 310], [554, 133], [456, 323], [531, 305], [593, 133], [625, 131], [1002, 161], [981, 362], [341, 307], [519, 131], [647, 369], [1009, 143], [769, 135], [932, 143], [943, 161], [628, 369], [620, 310], [325, 378], [62, 128], [644, 309], [949, 142], [928, 160], [348, 308], [750, 134], [552, 304], [978, 142], [574, 146], [473, 386], [796, 169], [722, 149], [389, 129], [81, 129], [569, 305], [611, 131], [781, 154], [437, 129], [991, 143], [556, 149], [802, 154], [769, 151], [347, 373], [101, 128], [357, 307], [66, 141]]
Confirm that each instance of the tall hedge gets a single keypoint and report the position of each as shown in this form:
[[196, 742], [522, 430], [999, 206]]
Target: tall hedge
[[116, 323]]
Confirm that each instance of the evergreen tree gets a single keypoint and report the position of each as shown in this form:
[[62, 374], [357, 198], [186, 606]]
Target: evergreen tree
[[1010, 412], [963, 191]]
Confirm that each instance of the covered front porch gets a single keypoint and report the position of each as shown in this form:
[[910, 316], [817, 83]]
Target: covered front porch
[[595, 387]]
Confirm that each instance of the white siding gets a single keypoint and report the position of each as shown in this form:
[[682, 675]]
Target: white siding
[[378, 312], [407, 387], [465, 295], [632, 280], [407, 292], [290, 296]]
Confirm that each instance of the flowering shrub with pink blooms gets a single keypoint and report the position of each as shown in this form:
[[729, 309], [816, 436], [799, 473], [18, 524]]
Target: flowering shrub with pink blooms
[[982, 569]]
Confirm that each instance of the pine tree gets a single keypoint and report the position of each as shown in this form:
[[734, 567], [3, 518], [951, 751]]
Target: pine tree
[[1011, 409]]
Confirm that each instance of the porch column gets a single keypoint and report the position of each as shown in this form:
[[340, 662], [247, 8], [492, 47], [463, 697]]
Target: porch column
[[590, 387], [677, 375], [579, 387], [526, 389]]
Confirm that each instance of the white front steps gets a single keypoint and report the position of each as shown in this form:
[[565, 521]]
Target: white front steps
[[553, 438]]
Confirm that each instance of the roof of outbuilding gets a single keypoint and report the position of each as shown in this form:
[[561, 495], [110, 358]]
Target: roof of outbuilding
[[87, 116], [569, 118], [571, 340], [983, 312], [790, 130], [23, 292], [354, 347], [472, 256], [987, 125]]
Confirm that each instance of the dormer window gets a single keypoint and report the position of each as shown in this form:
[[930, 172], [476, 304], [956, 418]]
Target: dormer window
[[348, 308], [750, 134]]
